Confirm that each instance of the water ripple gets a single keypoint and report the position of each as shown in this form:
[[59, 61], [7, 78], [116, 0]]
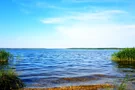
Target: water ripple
[[54, 67]]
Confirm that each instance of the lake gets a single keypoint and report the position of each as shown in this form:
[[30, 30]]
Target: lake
[[65, 67]]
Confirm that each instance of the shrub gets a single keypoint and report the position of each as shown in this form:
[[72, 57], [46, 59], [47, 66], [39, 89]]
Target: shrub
[[5, 56], [127, 54], [9, 80]]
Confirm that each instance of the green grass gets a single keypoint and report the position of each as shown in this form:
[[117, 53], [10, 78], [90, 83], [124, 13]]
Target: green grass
[[9, 80], [126, 54], [4, 56]]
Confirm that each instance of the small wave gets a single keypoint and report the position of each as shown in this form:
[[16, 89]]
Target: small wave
[[87, 78]]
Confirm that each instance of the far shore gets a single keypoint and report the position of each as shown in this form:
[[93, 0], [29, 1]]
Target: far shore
[[96, 48]]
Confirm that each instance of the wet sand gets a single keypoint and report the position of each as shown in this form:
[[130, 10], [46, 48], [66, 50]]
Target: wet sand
[[81, 87]]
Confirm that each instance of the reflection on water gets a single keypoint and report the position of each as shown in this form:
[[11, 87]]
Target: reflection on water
[[63, 67], [125, 64], [127, 68]]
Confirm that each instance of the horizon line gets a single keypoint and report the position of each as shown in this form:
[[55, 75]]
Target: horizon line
[[66, 48]]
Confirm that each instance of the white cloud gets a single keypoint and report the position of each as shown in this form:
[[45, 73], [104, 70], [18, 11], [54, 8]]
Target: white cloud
[[53, 20], [98, 27], [93, 29], [101, 15], [86, 16], [86, 35]]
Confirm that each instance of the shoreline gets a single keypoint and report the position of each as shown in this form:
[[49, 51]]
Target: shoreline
[[130, 85], [81, 87]]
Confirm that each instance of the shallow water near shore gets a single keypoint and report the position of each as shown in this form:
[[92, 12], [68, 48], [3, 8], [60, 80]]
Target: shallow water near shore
[[43, 68]]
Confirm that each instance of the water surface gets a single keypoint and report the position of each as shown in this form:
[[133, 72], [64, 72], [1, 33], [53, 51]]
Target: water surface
[[64, 67]]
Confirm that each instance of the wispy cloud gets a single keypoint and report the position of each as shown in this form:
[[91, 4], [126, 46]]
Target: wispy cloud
[[53, 20], [103, 35], [83, 23], [89, 29], [86, 16]]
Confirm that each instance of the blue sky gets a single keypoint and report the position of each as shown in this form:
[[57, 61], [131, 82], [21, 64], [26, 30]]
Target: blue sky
[[67, 23]]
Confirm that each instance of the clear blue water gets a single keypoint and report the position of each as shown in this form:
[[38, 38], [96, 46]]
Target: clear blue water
[[64, 67]]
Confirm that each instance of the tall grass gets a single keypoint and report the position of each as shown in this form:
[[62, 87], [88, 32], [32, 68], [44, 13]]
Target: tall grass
[[9, 80], [4, 56], [127, 54]]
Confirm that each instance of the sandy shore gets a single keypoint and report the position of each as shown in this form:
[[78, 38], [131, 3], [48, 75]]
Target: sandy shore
[[81, 87]]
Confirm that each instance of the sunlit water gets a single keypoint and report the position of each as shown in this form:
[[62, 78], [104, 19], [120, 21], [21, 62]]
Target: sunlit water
[[64, 67]]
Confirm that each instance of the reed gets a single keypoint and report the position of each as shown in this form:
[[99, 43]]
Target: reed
[[126, 54], [9, 80], [5, 56]]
